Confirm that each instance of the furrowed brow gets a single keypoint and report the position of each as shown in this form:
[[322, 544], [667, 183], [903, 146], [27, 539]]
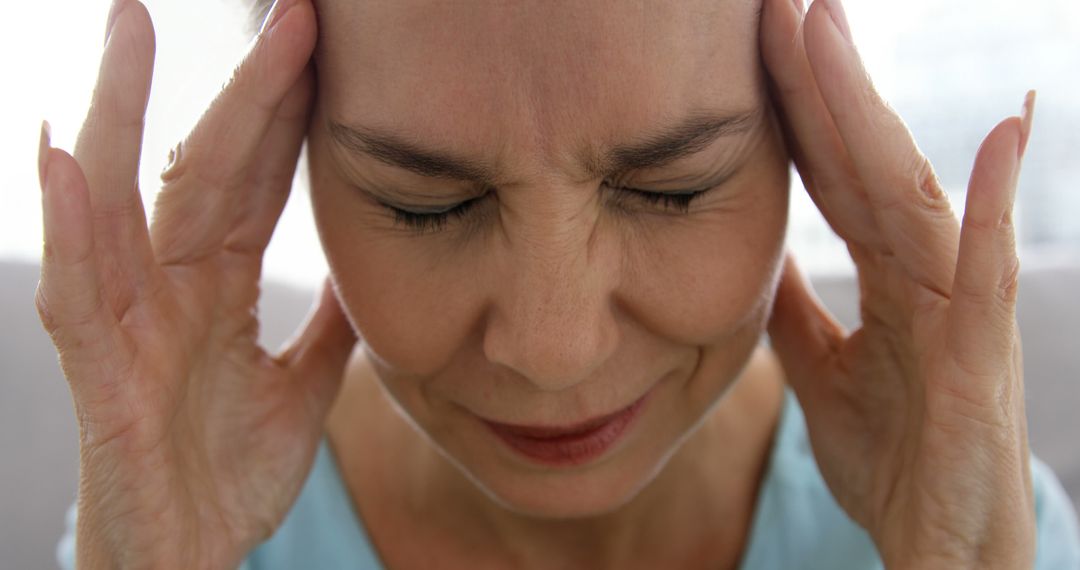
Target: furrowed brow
[[654, 150], [665, 146], [396, 151]]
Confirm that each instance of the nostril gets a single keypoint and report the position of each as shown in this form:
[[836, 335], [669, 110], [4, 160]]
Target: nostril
[[553, 354]]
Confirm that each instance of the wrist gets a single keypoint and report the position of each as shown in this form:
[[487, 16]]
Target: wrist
[[103, 546], [958, 558]]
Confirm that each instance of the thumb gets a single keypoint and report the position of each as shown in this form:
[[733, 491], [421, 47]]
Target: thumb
[[803, 333], [316, 357]]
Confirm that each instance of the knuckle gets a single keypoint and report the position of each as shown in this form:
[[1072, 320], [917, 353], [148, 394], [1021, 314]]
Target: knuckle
[[48, 320], [199, 165], [982, 226], [1009, 286], [928, 190], [174, 165], [919, 188], [1000, 295], [970, 289], [116, 212], [71, 313]]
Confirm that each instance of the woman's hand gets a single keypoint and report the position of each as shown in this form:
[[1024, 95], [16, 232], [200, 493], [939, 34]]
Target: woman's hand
[[917, 418], [194, 442]]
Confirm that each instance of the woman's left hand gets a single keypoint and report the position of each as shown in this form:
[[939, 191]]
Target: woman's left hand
[[917, 418]]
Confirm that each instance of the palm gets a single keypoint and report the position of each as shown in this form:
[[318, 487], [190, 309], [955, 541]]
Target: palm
[[231, 423], [194, 440], [872, 402], [916, 419]]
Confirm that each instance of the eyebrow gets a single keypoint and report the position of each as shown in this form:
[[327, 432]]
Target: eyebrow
[[691, 135]]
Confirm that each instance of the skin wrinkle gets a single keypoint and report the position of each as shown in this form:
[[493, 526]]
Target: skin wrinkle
[[558, 303], [688, 137], [728, 161]]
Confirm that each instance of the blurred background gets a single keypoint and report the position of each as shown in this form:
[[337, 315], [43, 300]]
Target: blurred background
[[951, 69]]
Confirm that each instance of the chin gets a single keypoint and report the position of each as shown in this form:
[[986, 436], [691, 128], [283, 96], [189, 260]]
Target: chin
[[592, 493], [591, 489]]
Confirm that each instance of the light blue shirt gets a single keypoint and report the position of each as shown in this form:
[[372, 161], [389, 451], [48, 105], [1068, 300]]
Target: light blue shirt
[[796, 522]]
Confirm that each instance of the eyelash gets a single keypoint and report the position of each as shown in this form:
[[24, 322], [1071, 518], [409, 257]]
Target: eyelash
[[433, 222], [430, 222], [667, 201]]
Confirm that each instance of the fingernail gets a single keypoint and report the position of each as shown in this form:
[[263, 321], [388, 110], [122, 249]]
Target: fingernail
[[43, 152], [1026, 116], [114, 11], [839, 18], [276, 12]]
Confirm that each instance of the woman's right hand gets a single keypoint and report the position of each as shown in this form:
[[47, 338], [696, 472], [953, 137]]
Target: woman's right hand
[[194, 442]]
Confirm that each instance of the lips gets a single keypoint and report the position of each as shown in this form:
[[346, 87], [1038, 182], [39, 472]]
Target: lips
[[569, 445]]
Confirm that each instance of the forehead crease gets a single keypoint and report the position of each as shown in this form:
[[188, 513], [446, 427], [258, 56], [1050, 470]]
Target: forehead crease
[[562, 78]]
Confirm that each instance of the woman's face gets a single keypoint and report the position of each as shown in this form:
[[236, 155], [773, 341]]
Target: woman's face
[[547, 292]]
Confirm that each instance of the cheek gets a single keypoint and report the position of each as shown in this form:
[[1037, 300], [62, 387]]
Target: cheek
[[411, 308], [695, 283], [699, 282], [409, 314]]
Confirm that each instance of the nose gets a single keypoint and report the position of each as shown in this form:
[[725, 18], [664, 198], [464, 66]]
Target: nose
[[552, 318]]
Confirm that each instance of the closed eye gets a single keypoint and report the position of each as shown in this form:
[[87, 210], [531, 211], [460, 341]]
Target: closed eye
[[428, 221], [678, 201]]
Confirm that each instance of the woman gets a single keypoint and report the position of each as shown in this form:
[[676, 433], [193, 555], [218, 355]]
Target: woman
[[558, 230]]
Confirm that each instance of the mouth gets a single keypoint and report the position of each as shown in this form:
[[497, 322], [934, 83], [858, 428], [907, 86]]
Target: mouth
[[570, 445]]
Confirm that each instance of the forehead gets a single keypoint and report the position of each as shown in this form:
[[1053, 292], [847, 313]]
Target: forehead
[[546, 79]]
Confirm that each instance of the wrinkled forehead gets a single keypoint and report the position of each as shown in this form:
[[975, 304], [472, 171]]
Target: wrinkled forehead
[[538, 76]]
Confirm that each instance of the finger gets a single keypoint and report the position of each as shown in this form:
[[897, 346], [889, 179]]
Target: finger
[[909, 204], [69, 296], [110, 142], [317, 356], [272, 175], [209, 173], [818, 150], [803, 333], [982, 311]]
